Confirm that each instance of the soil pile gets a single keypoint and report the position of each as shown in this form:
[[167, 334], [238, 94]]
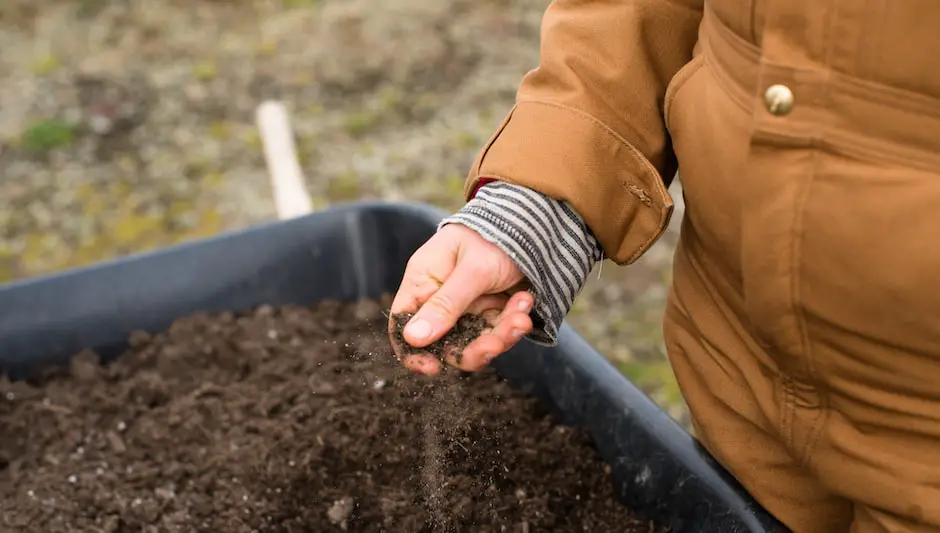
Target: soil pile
[[288, 420]]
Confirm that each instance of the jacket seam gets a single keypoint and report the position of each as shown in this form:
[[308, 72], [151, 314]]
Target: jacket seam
[[632, 188]]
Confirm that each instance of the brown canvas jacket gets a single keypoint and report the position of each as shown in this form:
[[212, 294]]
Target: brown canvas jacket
[[590, 125]]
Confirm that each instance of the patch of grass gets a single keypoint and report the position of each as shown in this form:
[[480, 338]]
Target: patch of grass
[[219, 131], [252, 140], [453, 185], [389, 98], [266, 48], [466, 139], [360, 122], [291, 4], [205, 71], [579, 307], [345, 187], [47, 135], [195, 168], [306, 149], [656, 379], [46, 65], [445, 192], [86, 9], [121, 223]]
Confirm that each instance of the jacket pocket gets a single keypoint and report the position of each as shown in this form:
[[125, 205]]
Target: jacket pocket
[[677, 82]]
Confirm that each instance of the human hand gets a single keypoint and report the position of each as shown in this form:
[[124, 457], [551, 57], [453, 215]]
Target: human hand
[[455, 272]]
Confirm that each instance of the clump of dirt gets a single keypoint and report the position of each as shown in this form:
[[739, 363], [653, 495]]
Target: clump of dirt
[[288, 420], [465, 331]]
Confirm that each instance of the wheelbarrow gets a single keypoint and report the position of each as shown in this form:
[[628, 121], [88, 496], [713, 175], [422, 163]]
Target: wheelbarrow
[[359, 251]]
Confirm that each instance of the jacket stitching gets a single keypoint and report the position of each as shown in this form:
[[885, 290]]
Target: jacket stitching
[[644, 163]]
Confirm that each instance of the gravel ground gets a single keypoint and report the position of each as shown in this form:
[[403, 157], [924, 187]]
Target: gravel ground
[[129, 125]]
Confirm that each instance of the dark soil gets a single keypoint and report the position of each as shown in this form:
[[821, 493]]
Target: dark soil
[[287, 420], [465, 331]]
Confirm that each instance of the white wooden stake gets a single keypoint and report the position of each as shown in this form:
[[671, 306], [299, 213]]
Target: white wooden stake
[[291, 198]]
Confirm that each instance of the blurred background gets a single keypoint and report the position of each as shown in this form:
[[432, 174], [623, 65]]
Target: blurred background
[[127, 125]]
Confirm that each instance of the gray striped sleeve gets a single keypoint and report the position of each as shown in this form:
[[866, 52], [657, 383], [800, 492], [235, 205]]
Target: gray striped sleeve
[[547, 239]]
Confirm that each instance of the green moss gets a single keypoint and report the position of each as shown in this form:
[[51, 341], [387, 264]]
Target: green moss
[[93, 204], [466, 139], [213, 179], [205, 71], [134, 228], [252, 140], [360, 122], [318, 202], [209, 223], [46, 65], [195, 169], [665, 276], [6, 271], [446, 193], [33, 252], [388, 99], [86, 9], [345, 187], [306, 149], [219, 131], [266, 48], [453, 186], [7, 263], [656, 378], [47, 135], [294, 4], [579, 307], [486, 116], [120, 223]]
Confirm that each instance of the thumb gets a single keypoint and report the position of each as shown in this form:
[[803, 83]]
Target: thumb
[[442, 310]]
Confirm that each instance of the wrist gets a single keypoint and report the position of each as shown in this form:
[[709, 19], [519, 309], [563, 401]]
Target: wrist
[[550, 244]]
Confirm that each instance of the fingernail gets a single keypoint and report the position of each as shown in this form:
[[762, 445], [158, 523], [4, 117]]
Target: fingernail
[[517, 334], [488, 357], [418, 330], [524, 306]]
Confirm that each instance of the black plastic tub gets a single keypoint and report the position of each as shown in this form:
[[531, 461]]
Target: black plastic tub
[[357, 251]]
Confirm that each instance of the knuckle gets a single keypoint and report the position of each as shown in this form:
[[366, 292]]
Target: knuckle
[[467, 367], [415, 263], [413, 278], [443, 303], [484, 265]]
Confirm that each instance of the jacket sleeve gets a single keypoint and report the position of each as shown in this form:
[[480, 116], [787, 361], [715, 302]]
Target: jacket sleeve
[[588, 126], [548, 241]]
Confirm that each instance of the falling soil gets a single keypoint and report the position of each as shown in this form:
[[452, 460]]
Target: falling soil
[[288, 420], [467, 328]]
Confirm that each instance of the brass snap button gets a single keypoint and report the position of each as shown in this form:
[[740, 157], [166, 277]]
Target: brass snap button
[[779, 100]]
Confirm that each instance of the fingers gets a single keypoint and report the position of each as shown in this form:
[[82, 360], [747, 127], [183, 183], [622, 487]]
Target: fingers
[[423, 364], [509, 326], [415, 289], [489, 306], [442, 309], [512, 325]]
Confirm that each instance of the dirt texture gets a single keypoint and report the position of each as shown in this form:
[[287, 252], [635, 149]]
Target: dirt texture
[[465, 331], [288, 420]]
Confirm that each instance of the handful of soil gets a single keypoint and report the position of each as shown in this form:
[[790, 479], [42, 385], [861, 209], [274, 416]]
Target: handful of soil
[[467, 329]]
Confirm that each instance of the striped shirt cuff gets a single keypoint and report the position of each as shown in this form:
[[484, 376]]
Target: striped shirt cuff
[[546, 238]]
